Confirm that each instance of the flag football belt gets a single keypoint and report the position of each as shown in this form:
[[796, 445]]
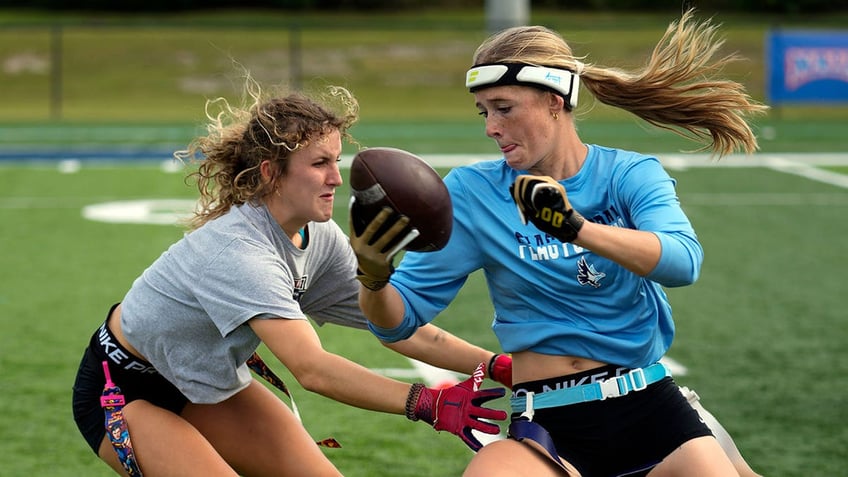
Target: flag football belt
[[634, 380], [523, 428]]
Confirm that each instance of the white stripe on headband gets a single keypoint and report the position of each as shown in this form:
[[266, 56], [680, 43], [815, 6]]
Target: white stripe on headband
[[560, 81]]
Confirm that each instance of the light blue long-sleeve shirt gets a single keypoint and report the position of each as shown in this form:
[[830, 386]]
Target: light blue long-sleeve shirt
[[552, 297]]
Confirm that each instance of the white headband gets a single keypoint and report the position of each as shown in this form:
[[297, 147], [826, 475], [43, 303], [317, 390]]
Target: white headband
[[562, 82]]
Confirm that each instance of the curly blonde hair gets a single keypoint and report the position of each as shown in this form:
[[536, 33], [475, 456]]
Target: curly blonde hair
[[238, 140], [677, 89]]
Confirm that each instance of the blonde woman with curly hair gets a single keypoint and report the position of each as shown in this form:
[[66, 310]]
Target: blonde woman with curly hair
[[576, 276], [262, 255]]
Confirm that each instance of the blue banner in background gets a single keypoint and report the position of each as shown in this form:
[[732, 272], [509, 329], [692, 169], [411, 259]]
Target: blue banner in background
[[807, 66]]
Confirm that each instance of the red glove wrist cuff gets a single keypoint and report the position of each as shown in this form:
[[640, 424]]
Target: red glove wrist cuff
[[412, 408]]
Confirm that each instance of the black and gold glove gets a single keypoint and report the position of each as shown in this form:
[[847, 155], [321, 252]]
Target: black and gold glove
[[375, 249], [543, 201]]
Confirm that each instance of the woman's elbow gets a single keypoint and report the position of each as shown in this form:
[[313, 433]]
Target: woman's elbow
[[311, 375], [680, 262], [684, 274], [683, 281]]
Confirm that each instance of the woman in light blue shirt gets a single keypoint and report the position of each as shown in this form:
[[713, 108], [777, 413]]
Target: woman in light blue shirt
[[576, 275]]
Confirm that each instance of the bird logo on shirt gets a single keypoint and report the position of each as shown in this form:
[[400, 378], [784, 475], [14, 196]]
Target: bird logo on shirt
[[587, 275]]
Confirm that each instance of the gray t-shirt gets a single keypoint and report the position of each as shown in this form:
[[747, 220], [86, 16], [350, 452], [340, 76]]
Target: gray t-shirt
[[187, 312]]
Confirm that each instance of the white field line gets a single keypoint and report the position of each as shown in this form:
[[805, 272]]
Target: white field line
[[669, 160], [167, 211], [806, 170], [753, 199]]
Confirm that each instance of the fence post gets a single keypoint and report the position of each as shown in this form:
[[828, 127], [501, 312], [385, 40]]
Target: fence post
[[502, 14]]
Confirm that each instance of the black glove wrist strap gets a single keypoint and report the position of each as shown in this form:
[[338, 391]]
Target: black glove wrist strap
[[372, 283], [490, 368], [572, 225]]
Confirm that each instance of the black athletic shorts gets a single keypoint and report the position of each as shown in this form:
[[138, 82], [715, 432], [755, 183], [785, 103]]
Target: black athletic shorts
[[623, 436], [136, 378]]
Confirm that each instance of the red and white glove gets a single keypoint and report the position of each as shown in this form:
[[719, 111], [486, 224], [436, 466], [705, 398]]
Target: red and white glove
[[500, 369], [457, 409]]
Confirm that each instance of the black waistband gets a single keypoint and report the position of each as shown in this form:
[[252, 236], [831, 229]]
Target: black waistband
[[570, 380], [105, 346]]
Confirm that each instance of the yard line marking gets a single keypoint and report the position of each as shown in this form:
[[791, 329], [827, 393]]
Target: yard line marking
[[104, 158], [671, 161], [69, 166], [724, 199], [675, 367], [434, 376], [402, 373], [687, 161], [158, 211], [168, 211], [782, 164]]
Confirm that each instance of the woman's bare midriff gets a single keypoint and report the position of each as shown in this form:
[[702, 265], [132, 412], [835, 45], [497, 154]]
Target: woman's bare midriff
[[532, 366], [114, 324]]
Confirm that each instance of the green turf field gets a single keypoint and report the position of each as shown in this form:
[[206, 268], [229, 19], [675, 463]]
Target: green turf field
[[761, 334]]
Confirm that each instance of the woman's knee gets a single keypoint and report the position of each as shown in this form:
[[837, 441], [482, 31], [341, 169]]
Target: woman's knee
[[702, 453]]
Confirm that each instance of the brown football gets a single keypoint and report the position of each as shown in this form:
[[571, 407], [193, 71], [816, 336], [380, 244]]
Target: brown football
[[385, 176]]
